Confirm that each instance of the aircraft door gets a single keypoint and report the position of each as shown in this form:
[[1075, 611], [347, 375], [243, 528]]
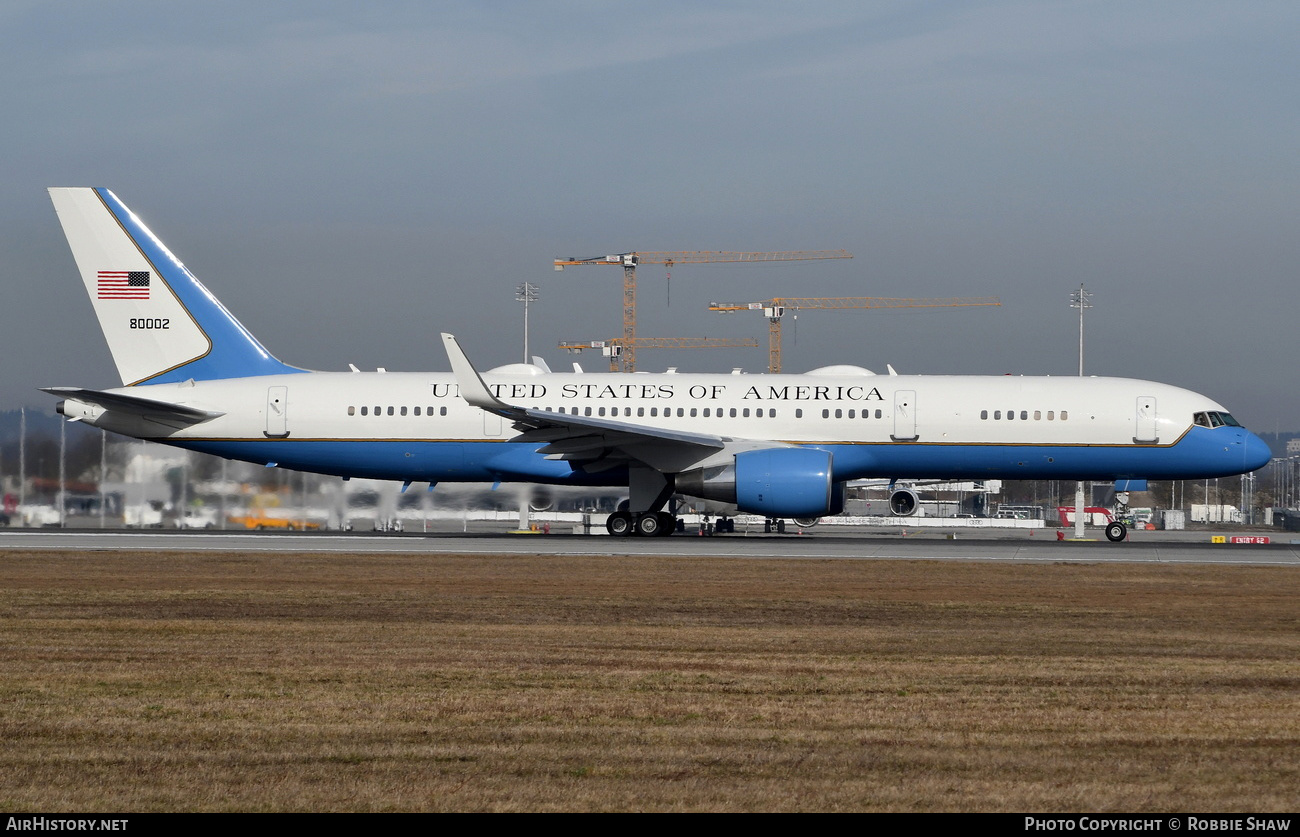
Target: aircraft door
[[905, 416], [277, 412], [1146, 421]]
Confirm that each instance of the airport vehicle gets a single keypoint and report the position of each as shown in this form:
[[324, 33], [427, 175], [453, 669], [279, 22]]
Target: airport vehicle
[[778, 445], [259, 519]]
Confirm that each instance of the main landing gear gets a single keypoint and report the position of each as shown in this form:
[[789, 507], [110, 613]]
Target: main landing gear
[[646, 524], [1116, 531], [649, 491]]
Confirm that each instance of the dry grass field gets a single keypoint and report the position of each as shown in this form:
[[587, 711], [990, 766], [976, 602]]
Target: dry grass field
[[289, 682]]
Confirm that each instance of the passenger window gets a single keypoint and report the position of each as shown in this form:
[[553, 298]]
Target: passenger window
[[442, 411], [352, 411], [798, 413], [403, 410], [997, 414], [745, 413], [1064, 415], [1038, 415], [692, 412], [984, 414], [826, 413], [1024, 415]]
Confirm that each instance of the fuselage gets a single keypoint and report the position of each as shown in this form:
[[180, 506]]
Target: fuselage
[[777, 445], [417, 427]]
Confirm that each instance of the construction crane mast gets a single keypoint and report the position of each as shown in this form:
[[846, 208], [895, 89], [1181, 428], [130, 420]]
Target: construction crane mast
[[614, 349], [774, 310], [629, 262]]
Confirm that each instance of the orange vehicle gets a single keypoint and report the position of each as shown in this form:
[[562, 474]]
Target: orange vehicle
[[258, 519]]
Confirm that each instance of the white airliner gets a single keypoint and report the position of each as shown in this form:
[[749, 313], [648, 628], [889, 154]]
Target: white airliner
[[776, 445]]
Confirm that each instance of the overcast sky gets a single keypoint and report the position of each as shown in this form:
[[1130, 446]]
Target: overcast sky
[[352, 178]]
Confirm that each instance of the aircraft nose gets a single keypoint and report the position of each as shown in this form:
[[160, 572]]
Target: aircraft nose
[[1255, 452]]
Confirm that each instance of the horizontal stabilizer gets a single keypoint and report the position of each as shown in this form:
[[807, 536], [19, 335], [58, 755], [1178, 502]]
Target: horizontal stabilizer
[[162, 411]]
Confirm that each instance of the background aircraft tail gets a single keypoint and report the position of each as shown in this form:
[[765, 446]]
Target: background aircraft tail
[[161, 324]]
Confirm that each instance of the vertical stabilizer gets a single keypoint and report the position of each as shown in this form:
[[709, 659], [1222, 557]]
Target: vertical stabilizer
[[161, 324]]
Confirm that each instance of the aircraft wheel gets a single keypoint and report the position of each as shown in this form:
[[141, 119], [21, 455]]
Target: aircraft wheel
[[619, 524], [1116, 531], [650, 524], [667, 524]]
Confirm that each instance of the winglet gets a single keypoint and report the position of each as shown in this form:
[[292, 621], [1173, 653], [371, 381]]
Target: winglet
[[472, 388]]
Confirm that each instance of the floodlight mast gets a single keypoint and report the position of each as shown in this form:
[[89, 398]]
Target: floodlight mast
[[1082, 300]]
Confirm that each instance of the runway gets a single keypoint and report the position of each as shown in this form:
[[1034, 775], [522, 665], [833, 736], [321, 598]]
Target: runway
[[822, 543]]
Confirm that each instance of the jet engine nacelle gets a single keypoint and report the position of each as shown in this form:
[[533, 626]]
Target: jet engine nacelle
[[776, 482], [904, 502], [541, 499]]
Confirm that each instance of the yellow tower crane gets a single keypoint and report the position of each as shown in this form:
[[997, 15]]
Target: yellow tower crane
[[629, 261], [774, 310], [614, 349]]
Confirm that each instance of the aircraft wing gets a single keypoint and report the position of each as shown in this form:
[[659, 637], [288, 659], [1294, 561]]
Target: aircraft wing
[[591, 440], [160, 411]]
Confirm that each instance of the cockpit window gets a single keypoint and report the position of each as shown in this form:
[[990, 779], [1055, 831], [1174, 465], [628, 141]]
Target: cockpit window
[[1214, 418]]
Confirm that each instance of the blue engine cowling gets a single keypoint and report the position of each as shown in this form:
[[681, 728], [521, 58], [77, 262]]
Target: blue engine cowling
[[777, 482]]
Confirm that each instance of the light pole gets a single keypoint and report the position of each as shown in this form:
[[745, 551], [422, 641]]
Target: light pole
[[1082, 300], [526, 292]]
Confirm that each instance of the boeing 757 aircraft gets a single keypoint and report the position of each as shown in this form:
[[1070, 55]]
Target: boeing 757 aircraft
[[775, 445]]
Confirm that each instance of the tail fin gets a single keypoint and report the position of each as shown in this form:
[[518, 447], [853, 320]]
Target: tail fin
[[161, 324]]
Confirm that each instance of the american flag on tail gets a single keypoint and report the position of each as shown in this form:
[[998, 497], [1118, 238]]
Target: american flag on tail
[[123, 284]]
